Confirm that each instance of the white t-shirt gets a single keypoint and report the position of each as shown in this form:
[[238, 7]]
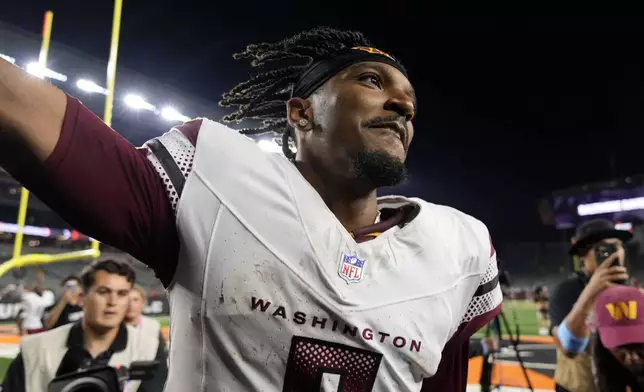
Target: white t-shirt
[[48, 298], [33, 307]]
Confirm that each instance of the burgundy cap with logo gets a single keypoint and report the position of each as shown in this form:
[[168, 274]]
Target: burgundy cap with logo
[[619, 316]]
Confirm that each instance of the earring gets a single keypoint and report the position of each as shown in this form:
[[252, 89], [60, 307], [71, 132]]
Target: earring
[[303, 122]]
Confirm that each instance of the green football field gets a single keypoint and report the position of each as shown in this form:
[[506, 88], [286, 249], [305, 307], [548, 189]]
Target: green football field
[[164, 320], [4, 364], [522, 313]]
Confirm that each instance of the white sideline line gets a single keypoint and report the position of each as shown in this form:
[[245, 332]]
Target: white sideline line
[[477, 388], [529, 365], [9, 350], [534, 347]]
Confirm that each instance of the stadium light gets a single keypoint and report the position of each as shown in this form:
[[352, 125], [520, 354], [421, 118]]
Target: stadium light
[[611, 206], [42, 72], [28, 230], [134, 101], [269, 146], [137, 102], [7, 58], [626, 226], [90, 87], [171, 114]]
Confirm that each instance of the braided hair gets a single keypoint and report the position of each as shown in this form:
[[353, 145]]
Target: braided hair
[[279, 65]]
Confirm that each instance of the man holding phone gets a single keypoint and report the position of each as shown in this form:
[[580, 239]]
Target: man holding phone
[[68, 309], [600, 249]]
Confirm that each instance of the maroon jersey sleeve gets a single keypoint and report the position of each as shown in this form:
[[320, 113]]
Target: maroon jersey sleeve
[[452, 371], [451, 375], [107, 188]]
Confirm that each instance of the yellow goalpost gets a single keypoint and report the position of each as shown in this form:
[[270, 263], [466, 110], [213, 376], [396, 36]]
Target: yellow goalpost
[[18, 259]]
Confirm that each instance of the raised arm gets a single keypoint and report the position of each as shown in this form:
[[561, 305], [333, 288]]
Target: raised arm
[[87, 173], [31, 111]]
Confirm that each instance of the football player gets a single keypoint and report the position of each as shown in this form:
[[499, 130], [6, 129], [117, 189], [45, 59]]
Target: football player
[[284, 272]]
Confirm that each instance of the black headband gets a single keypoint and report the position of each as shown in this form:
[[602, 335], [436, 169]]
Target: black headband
[[318, 73]]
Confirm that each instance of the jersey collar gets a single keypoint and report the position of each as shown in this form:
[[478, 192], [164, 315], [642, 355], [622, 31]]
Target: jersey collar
[[387, 218]]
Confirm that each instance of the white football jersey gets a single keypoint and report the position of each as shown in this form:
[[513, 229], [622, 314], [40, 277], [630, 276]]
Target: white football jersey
[[32, 310], [272, 294]]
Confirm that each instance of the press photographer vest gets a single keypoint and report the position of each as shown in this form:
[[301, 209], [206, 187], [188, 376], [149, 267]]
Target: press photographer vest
[[575, 374], [148, 327], [42, 354]]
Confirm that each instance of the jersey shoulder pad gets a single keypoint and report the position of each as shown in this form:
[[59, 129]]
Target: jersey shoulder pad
[[172, 156], [458, 227]]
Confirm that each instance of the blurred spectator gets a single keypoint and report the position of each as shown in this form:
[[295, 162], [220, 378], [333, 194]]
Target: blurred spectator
[[138, 300], [618, 345], [146, 326], [100, 338], [32, 309], [68, 309], [573, 300], [540, 298]]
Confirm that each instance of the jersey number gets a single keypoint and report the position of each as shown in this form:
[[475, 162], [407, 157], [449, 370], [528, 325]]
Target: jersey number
[[316, 365]]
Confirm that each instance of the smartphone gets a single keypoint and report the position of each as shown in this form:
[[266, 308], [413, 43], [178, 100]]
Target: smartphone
[[603, 251]]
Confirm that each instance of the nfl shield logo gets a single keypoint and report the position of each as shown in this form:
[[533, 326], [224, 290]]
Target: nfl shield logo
[[351, 268]]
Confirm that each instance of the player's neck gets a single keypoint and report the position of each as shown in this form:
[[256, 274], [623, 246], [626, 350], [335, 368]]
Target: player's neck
[[357, 213], [354, 208]]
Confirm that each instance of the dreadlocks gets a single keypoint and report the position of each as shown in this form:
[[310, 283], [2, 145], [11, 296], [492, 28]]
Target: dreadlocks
[[280, 64]]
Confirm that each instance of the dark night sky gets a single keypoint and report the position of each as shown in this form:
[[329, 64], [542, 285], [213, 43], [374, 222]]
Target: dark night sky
[[510, 108]]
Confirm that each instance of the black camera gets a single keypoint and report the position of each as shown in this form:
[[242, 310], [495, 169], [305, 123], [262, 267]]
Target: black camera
[[103, 378]]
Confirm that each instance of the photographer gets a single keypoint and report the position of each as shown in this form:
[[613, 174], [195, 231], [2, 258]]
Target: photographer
[[100, 338], [144, 325], [599, 247], [68, 309]]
